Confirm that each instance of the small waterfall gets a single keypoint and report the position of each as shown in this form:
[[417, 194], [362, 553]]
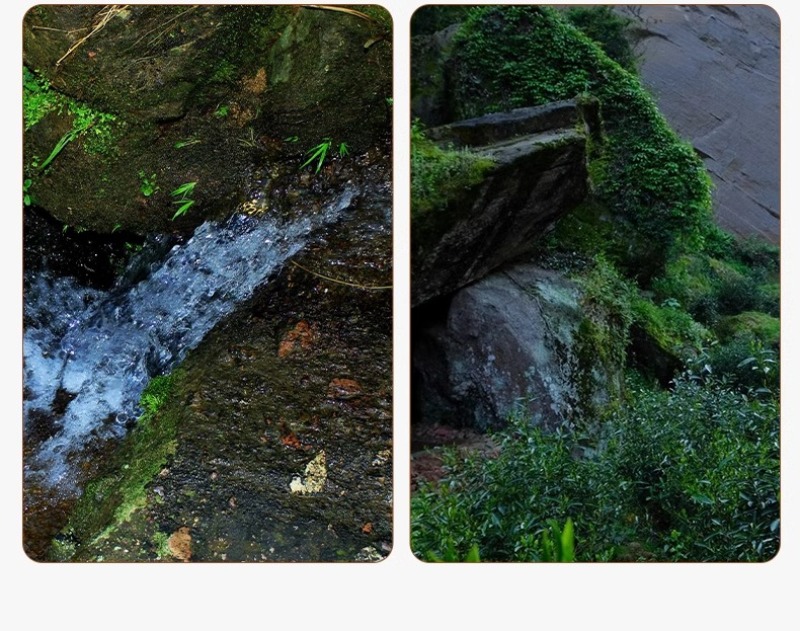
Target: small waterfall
[[101, 348]]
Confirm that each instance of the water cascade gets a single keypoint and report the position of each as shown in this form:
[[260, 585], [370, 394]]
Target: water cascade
[[97, 349]]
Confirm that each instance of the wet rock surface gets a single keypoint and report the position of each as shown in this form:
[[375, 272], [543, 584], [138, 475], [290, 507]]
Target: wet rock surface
[[204, 94], [715, 73], [293, 387]]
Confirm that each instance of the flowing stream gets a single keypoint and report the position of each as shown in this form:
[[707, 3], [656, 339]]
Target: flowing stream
[[89, 353]]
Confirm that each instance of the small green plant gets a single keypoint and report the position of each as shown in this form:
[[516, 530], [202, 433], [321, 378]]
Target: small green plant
[[343, 149], [250, 140], [37, 98], [161, 544], [558, 545], [148, 184], [63, 142], [187, 143], [26, 196], [291, 139], [473, 555], [183, 200], [222, 111], [318, 153]]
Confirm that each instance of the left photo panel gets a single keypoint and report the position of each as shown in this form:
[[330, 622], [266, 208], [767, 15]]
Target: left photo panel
[[207, 290]]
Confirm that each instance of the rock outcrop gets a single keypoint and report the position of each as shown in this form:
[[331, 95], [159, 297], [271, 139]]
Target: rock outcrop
[[539, 174], [715, 73]]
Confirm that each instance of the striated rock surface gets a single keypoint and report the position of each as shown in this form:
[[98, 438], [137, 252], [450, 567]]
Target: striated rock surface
[[715, 73]]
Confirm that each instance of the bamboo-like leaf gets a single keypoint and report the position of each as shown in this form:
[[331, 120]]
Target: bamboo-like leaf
[[568, 542], [185, 206], [184, 189], [473, 554]]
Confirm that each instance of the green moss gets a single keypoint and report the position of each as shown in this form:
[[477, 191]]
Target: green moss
[[602, 338], [161, 544], [438, 176], [673, 330], [98, 130], [111, 500], [606, 27], [751, 325]]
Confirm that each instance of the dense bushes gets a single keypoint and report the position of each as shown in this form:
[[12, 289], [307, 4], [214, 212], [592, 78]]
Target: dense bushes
[[688, 474]]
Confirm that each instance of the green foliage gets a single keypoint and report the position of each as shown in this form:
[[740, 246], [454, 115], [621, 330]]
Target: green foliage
[[440, 175], [187, 143], [558, 545], [147, 184], [687, 474], [319, 153], [710, 288], [222, 111], [97, 129], [671, 327], [27, 199], [38, 99], [606, 27], [182, 198], [650, 181], [431, 18]]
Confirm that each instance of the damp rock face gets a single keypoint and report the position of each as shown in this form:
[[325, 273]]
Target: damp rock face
[[275, 440], [509, 344]]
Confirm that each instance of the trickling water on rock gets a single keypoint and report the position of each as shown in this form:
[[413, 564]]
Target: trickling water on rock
[[97, 350]]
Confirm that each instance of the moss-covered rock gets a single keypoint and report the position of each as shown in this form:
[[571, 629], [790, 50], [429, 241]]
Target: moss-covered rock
[[751, 325], [215, 95]]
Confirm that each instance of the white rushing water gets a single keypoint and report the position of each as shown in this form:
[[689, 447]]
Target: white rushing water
[[103, 347]]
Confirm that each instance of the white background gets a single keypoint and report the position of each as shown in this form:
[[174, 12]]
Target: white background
[[399, 590]]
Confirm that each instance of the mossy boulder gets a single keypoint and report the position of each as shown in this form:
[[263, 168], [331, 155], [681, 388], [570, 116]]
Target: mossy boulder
[[751, 325], [524, 342], [653, 184], [217, 95]]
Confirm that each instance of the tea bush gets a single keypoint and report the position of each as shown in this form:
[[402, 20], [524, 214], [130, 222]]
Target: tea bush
[[687, 474]]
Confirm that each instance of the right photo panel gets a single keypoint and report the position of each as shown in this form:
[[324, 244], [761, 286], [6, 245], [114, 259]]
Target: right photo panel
[[595, 271]]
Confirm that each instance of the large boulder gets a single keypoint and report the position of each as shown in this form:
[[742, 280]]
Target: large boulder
[[517, 342]]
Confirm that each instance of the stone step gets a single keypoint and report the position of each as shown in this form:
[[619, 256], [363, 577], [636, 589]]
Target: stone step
[[495, 128]]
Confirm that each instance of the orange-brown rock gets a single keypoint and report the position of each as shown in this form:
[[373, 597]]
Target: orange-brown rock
[[343, 388], [180, 544], [301, 337]]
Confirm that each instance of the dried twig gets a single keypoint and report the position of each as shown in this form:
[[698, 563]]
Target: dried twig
[[103, 17], [339, 281], [328, 7]]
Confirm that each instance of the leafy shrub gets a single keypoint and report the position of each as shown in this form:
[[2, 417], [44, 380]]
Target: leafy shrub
[[687, 474], [710, 288]]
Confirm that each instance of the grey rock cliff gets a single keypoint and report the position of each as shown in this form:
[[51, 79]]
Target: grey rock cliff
[[715, 73]]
